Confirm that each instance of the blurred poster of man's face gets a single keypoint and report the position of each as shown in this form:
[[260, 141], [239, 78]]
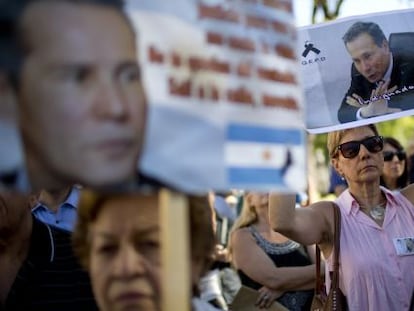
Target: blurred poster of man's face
[[81, 101], [370, 60]]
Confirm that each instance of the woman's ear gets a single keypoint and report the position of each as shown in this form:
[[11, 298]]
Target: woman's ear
[[335, 165]]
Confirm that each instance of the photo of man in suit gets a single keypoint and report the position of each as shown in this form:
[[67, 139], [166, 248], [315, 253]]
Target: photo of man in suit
[[376, 73]]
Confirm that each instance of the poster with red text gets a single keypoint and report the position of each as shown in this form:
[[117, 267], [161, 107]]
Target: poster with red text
[[223, 86]]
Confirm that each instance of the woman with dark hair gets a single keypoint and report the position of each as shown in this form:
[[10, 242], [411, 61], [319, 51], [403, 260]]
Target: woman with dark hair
[[395, 172]]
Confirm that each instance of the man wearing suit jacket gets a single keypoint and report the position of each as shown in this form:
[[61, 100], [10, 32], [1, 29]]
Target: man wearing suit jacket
[[376, 73]]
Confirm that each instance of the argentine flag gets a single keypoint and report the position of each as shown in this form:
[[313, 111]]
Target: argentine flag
[[268, 156]]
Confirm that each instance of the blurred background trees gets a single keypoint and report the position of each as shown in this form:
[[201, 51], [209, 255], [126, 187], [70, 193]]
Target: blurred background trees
[[328, 13]]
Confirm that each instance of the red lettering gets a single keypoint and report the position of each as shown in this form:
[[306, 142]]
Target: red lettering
[[257, 22], [244, 69], [285, 51], [197, 63], [217, 12], [274, 75], [242, 44], [175, 59], [274, 101], [280, 27], [215, 38], [219, 66], [284, 5], [180, 89], [240, 95], [154, 55]]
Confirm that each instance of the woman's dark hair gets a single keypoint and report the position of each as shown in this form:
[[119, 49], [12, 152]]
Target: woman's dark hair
[[402, 181]]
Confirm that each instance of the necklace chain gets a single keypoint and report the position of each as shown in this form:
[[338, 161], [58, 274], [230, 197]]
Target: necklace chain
[[378, 211]]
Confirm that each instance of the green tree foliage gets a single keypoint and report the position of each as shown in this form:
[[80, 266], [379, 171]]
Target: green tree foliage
[[322, 5]]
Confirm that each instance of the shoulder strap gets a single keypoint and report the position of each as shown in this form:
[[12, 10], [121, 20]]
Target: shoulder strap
[[319, 282], [336, 247], [337, 241]]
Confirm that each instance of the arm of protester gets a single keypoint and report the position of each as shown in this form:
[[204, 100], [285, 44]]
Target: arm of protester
[[308, 225], [255, 263]]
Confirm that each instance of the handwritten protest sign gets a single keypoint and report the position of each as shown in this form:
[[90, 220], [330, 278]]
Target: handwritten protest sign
[[222, 81], [359, 81]]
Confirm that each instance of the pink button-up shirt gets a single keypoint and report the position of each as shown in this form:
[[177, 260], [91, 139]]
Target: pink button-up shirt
[[372, 275]]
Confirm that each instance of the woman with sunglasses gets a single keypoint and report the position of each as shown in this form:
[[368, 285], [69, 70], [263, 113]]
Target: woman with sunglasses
[[395, 172], [376, 264]]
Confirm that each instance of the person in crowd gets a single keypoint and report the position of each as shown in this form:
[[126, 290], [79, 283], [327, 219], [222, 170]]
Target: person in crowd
[[279, 268], [57, 208], [395, 172], [375, 72], [225, 206], [214, 289], [38, 269], [410, 161], [225, 209], [375, 273], [117, 239], [78, 89]]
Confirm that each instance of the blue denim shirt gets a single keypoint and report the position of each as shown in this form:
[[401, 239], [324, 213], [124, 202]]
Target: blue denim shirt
[[65, 217]]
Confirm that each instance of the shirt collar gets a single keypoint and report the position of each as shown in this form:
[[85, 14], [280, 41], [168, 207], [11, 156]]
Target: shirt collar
[[346, 196], [71, 200], [73, 197]]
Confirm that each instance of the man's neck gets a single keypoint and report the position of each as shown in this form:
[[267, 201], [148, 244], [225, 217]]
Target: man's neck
[[387, 75], [52, 199], [40, 178]]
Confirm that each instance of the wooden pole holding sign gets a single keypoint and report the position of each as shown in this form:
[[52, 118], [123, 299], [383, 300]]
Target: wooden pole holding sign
[[175, 253]]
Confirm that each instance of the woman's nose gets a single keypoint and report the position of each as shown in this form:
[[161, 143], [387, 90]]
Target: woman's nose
[[130, 262]]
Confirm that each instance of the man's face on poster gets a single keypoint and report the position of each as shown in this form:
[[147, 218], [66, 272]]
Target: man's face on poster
[[82, 104], [370, 60]]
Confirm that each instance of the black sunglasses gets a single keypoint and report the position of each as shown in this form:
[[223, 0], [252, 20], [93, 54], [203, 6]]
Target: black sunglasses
[[389, 155], [351, 149]]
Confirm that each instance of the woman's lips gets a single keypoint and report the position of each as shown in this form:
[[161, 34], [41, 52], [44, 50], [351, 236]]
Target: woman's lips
[[130, 297], [115, 147]]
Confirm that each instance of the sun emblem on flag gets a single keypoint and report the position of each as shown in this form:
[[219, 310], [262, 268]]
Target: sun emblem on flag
[[267, 155]]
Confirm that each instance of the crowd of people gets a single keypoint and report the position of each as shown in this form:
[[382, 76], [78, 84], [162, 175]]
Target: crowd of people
[[80, 225]]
